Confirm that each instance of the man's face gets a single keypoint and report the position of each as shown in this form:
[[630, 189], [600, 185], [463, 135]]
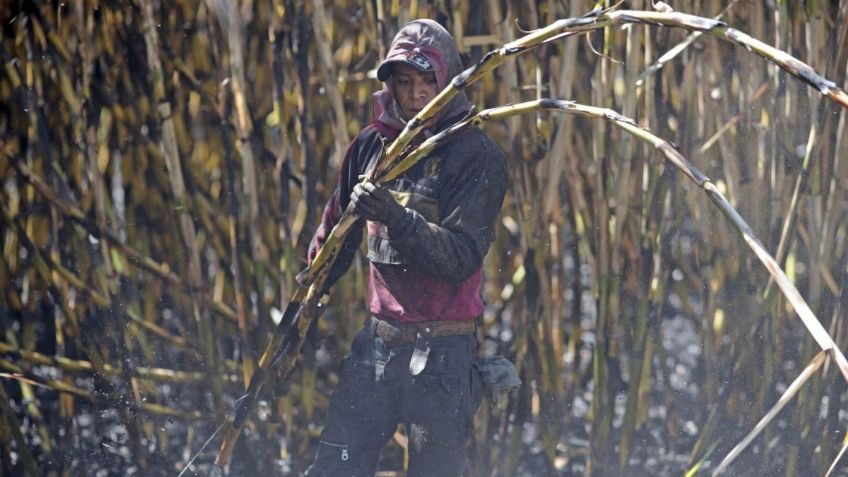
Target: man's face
[[413, 89]]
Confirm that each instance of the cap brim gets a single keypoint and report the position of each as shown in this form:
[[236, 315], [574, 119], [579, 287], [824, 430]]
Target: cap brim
[[384, 71]]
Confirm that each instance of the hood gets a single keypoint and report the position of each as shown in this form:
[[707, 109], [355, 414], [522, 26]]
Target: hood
[[420, 38]]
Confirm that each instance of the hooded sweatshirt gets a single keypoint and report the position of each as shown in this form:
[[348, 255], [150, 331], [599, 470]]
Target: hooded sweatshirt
[[427, 266]]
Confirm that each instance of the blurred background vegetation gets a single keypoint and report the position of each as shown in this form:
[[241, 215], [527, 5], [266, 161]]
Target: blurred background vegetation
[[163, 165]]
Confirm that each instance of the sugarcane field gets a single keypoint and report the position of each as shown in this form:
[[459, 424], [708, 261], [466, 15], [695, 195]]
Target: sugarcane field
[[413, 238]]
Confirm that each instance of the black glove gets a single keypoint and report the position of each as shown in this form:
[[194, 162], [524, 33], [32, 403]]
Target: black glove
[[376, 204]]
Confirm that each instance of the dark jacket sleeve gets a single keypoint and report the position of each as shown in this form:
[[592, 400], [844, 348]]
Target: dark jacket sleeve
[[453, 250], [348, 177]]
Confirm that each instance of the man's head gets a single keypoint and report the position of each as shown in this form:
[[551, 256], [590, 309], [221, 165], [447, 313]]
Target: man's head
[[422, 59], [426, 46]]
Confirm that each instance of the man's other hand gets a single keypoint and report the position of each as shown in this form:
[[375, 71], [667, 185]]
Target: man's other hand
[[376, 204]]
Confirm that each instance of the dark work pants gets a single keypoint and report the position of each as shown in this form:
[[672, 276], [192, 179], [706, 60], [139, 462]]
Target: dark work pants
[[376, 392]]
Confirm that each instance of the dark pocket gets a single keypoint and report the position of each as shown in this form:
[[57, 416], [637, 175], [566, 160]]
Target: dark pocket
[[362, 347], [452, 383], [440, 395], [360, 361], [445, 383]]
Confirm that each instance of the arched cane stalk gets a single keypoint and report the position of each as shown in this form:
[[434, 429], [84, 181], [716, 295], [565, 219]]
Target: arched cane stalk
[[602, 19], [303, 305]]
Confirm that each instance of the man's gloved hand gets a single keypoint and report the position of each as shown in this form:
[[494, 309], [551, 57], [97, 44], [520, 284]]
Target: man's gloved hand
[[376, 204]]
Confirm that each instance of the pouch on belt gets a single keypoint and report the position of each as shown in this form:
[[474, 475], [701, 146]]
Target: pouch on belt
[[499, 377]]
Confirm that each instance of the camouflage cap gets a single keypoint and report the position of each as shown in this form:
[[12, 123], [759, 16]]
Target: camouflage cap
[[414, 58]]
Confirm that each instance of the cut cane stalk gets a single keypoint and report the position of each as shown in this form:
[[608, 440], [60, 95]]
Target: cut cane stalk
[[790, 392]]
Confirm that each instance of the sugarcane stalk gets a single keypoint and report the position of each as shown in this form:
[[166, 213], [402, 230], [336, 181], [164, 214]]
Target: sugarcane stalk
[[283, 166], [790, 392], [505, 31], [223, 108], [791, 216], [244, 124], [824, 120], [641, 355], [833, 131], [307, 157], [284, 347], [160, 332], [837, 459], [382, 33], [555, 328], [235, 29], [604, 286], [330, 76]]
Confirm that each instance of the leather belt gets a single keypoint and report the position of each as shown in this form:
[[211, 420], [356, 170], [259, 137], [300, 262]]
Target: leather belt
[[396, 334]]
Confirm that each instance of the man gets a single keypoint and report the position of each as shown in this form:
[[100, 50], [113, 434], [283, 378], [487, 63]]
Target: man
[[428, 232]]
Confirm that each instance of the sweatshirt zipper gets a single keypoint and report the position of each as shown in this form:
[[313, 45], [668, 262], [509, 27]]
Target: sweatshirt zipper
[[344, 455]]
